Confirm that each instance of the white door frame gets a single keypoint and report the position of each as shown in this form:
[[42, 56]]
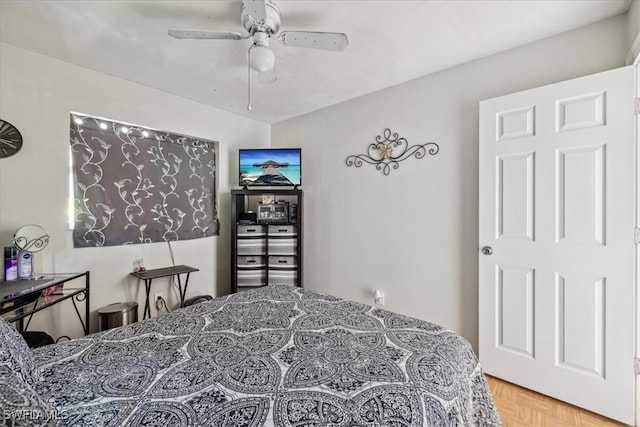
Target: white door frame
[[637, 191]]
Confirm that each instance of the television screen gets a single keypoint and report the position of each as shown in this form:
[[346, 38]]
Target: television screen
[[270, 166]]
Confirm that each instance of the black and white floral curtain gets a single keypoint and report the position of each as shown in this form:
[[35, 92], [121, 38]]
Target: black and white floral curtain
[[138, 185]]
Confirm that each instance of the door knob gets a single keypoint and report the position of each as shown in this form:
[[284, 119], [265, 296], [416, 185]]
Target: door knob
[[487, 250]]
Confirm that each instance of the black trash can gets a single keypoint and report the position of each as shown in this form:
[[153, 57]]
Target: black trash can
[[117, 314]]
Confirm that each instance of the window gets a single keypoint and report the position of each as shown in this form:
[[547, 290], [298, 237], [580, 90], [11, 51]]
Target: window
[[133, 184]]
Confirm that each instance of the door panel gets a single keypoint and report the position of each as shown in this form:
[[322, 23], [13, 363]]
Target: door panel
[[580, 204], [515, 196], [515, 291], [580, 323], [582, 111], [557, 205]]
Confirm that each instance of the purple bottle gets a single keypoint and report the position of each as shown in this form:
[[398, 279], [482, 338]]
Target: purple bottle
[[10, 263]]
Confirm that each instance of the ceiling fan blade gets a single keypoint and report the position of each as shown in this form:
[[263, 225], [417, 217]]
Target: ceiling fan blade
[[257, 9], [315, 40], [206, 35]]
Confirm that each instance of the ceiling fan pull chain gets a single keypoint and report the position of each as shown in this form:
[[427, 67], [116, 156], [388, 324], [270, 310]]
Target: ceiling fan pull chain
[[249, 78]]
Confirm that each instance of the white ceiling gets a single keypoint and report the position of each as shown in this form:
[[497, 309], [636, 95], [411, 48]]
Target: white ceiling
[[390, 42]]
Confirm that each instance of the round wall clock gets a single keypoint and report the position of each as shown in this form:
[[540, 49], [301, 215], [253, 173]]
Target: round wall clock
[[10, 139]]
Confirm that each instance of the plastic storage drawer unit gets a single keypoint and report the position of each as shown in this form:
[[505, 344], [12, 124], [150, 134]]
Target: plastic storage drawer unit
[[251, 246], [282, 262], [251, 261], [282, 230], [253, 278], [283, 246], [251, 230], [283, 277]]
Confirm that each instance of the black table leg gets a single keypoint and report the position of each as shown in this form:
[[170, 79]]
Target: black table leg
[[183, 292], [87, 308], [147, 307]]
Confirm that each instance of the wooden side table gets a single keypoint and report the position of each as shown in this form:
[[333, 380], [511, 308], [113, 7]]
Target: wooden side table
[[149, 275]]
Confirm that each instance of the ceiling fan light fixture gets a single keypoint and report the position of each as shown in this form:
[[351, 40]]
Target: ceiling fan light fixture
[[261, 58]]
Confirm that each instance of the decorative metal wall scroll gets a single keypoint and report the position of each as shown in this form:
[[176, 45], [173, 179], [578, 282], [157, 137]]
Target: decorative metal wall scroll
[[389, 149]]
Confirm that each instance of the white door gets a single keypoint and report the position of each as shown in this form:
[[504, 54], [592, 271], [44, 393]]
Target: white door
[[557, 218]]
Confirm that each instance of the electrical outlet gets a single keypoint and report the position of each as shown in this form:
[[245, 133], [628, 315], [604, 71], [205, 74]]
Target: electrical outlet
[[378, 297]]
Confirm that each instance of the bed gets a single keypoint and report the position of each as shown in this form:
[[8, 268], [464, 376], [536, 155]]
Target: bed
[[275, 356]]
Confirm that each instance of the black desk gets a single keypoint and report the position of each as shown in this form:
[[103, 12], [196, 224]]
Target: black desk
[[149, 275], [18, 295]]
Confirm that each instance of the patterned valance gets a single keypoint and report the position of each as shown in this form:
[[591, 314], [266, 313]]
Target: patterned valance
[[138, 185]]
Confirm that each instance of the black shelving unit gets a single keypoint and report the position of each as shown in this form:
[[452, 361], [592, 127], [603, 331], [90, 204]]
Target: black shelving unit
[[266, 237]]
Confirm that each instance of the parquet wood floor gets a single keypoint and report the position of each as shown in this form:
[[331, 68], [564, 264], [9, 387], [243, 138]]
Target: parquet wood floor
[[519, 407]]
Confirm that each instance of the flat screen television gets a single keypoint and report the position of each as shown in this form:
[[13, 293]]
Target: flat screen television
[[270, 166]]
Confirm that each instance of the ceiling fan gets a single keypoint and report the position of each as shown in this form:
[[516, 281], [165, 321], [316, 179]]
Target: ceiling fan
[[261, 20]]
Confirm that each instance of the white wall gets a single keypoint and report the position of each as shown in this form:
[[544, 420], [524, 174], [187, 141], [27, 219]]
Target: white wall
[[633, 31], [414, 233], [633, 22], [37, 94]]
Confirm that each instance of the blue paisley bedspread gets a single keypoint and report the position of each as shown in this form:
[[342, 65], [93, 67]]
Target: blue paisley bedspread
[[275, 356]]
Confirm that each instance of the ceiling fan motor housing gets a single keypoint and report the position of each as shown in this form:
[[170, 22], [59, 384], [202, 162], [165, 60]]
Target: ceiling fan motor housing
[[260, 39], [271, 24]]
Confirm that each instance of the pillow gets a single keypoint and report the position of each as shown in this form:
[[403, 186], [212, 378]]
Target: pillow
[[15, 353], [21, 405]]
